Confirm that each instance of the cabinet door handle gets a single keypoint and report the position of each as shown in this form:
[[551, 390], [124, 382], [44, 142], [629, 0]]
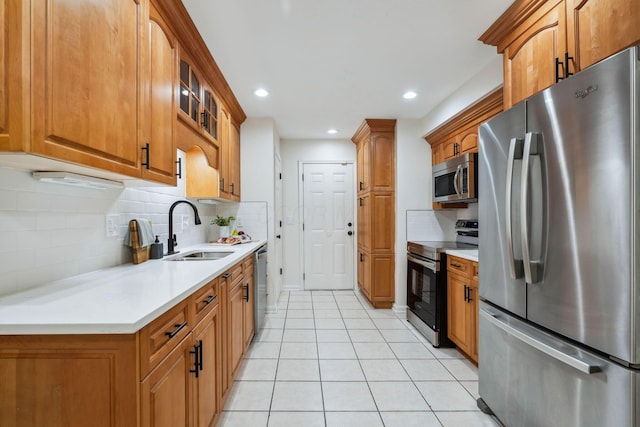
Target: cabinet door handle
[[221, 184], [177, 329], [558, 62], [200, 355], [146, 155], [361, 258], [233, 188], [210, 299], [179, 167], [205, 120], [469, 299], [196, 355], [246, 295], [361, 202], [361, 185], [566, 65]]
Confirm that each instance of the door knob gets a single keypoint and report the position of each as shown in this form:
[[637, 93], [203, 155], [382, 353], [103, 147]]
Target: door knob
[[350, 233], [349, 224], [278, 236]]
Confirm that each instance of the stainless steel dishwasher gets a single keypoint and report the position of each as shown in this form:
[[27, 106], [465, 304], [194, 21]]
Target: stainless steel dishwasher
[[260, 288]]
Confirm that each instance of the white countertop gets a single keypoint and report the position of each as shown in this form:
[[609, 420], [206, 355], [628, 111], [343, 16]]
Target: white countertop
[[470, 254], [117, 300]]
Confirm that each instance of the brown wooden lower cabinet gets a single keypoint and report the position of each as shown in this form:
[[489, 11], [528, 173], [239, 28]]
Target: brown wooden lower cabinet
[[170, 373], [376, 278], [462, 305]]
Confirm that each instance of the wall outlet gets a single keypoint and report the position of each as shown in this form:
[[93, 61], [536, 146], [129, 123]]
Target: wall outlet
[[111, 225], [185, 222], [238, 222]]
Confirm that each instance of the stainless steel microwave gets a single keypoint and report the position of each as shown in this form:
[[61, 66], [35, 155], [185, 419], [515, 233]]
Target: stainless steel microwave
[[456, 180]]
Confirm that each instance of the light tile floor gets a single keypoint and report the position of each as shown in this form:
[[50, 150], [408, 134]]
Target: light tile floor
[[327, 358]]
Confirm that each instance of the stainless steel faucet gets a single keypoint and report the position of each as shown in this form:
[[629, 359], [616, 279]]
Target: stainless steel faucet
[[172, 242]]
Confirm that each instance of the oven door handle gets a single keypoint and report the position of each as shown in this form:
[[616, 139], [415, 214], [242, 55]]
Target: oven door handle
[[431, 265]]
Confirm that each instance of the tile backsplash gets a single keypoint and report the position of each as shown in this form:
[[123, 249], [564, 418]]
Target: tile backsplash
[[52, 231], [430, 225]]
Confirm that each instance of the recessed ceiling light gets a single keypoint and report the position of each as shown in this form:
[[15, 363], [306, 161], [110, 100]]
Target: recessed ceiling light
[[409, 95], [261, 93], [332, 131]]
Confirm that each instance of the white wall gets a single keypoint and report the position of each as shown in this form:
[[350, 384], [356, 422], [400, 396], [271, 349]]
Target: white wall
[[413, 191], [292, 153], [489, 78], [52, 231], [259, 142]]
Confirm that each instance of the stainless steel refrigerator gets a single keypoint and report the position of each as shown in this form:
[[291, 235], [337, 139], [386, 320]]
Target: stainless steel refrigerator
[[559, 206]]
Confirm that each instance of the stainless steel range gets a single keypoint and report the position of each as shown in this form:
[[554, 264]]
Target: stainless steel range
[[427, 281]]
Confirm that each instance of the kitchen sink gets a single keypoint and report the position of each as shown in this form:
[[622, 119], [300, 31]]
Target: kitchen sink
[[200, 256]]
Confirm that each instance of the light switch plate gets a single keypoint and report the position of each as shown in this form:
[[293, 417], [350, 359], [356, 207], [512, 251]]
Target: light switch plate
[[185, 222]]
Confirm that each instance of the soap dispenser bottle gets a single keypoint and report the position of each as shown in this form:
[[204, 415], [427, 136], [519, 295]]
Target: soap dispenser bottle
[[156, 249]]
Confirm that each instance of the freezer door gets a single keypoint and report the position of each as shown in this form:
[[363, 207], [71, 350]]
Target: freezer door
[[500, 250], [530, 378], [581, 231]]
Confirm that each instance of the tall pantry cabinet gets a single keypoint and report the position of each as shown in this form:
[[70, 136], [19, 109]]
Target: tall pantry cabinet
[[375, 147]]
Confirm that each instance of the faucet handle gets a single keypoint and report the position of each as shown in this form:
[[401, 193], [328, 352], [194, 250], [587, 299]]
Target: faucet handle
[[175, 241]]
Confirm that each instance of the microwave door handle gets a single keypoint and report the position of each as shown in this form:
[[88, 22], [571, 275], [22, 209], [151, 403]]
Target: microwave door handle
[[531, 148], [455, 180], [515, 152]]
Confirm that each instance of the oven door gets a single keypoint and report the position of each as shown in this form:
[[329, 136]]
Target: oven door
[[422, 290]]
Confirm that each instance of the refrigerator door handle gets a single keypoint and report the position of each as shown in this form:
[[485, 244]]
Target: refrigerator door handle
[[539, 344], [532, 147], [515, 152]]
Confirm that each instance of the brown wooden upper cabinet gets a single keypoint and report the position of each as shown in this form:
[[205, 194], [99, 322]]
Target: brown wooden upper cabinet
[[93, 91], [198, 104], [459, 134], [545, 41]]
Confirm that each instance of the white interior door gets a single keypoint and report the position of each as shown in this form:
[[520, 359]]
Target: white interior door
[[328, 226]]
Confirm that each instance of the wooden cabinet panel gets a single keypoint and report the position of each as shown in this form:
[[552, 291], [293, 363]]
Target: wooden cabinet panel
[[382, 274], [234, 163], [364, 272], [204, 299], [457, 321], [462, 305], [236, 328], [160, 123], [530, 60], [248, 325], [597, 29], [166, 394], [207, 396], [449, 150], [86, 85], [382, 217], [364, 221], [68, 381], [383, 157], [469, 141]]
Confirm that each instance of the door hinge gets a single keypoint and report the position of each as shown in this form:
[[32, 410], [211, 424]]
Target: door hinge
[[304, 276], [280, 176], [280, 223], [303, 177], [303, 226], [280, 271]]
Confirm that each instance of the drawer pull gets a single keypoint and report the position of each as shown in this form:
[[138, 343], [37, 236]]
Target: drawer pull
[[210, 299], [456, 265], [177, 329], [226, 275]]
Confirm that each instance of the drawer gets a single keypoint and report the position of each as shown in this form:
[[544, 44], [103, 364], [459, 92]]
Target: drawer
[[159, 337], [204, 299], [459, 265], [233, 275]]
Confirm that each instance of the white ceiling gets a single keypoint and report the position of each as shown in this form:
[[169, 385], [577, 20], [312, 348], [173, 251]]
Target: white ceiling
[[332, 63]]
